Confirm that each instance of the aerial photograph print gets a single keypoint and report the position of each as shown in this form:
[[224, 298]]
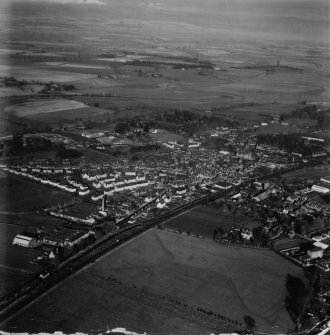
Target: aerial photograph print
[[165, 167]]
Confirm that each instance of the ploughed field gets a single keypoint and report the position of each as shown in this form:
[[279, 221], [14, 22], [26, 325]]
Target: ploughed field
[[131, 287]]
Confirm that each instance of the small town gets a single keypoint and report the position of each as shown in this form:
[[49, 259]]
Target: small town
[[160, 174], [164, 167]]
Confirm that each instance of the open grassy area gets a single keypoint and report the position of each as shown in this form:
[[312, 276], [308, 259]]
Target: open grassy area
[[21, 195], [204, 220], [230, 281]]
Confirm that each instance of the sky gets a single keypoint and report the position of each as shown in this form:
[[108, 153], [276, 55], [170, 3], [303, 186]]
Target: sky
[[290, 20]]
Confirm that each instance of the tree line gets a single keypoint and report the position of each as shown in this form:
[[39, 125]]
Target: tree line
[[289, 142], [310, 112]]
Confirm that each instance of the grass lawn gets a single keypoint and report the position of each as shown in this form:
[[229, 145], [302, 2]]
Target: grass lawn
[[230, 281], [204, 220]]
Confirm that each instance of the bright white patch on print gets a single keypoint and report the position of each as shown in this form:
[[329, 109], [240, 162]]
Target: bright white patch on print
[[79, 2]]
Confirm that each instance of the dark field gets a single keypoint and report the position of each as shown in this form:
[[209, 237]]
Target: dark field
[[32, 220], [204, 220], [227, 280], [15, 262], [316, 172], [21, 195]]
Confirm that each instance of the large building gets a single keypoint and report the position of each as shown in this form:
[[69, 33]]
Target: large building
[[26, 239], [315, 253], [320, 189]]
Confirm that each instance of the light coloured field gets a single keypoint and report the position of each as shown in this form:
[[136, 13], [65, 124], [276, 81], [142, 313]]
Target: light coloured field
[[38, 74], [71, 114], [227, 280], [42, 106], [167, 137], [75, 65]]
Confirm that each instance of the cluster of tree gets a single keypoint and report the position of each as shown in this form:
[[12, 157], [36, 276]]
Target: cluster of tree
[[189, 122], [218, 143], [142, 73], [183, 116], [122, 127], [16, 147], [269, 68], [193, 66], [175, 65], [13, 82], [260, 236], [310, 112], [186, 59], [262, 170], [37, 144], [296, 298], [126, 126], [144, 148], [219, 316], [288, 142], [64, 153], [107, 55], [305, 223], [249, 322], [40, 58], [118, 153], [68, 87]]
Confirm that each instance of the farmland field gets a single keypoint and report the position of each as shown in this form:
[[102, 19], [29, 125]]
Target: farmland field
[[21, 195], [230, 281], [204, 220]]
